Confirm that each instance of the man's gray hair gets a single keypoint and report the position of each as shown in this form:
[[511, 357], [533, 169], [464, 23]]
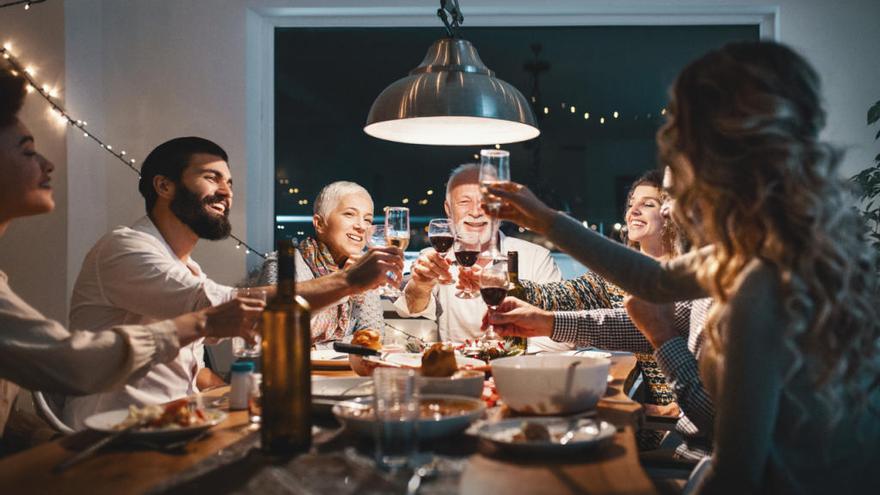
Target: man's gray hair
[[330, 195], [466, 173]]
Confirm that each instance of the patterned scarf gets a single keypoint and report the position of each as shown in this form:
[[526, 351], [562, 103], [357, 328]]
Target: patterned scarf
[[334, 322]]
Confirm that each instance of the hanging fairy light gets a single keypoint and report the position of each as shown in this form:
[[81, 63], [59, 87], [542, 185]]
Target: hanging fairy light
[[61, 115]]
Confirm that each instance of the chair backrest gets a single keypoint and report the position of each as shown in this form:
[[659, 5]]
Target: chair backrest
[[697, 476], [49, 408]]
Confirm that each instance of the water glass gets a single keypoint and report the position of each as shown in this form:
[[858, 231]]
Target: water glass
[[240, 347], [396, 401]]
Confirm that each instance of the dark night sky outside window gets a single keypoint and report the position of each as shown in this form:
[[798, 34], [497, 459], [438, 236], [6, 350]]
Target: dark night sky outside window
[[326, 80]]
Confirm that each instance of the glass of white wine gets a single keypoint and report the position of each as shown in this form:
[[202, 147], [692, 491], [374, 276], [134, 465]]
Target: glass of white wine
[[494, 170]]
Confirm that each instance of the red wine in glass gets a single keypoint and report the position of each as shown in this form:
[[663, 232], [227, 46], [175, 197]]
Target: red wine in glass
[[493, 296], [441, 242], [467, 258]]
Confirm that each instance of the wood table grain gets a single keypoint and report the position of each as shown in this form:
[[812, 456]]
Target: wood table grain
[[115, 470]]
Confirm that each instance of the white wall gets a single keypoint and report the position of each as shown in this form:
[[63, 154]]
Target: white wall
[[33, 251], [144, 71]]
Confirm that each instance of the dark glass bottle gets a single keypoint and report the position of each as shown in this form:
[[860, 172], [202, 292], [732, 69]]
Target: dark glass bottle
[[515, 289], [286, 423]]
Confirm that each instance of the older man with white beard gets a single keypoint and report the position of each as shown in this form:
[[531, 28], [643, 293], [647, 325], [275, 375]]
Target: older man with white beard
[[424, 296]]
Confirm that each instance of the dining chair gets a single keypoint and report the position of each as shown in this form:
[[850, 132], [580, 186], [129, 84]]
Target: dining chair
[[49, 409], [697, 476]]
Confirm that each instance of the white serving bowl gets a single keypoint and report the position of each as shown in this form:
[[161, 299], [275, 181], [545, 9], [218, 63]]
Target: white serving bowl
[[550, 384]]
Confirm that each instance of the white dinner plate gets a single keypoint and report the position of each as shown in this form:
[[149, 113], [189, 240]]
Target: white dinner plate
[[591, 434], [107, 421], [342, 387], [328, 358], [414, 360]]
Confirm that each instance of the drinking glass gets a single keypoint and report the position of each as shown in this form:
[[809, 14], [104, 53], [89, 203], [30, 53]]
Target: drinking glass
[[440, 235], [494, 169], [396, 402], [379, 239], [397, 226], [493, 288], [467, 252], [240, 347]]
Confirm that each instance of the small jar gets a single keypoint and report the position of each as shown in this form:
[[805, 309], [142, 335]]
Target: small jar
[[255, 406], [242, 371]]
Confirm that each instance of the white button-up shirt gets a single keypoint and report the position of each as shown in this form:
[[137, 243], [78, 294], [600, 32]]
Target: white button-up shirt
[[459, 319], [132, 276]]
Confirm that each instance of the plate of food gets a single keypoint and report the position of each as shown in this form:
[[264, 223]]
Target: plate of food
[[328, 358], [547, 436], [438, 360], [178, 418], [439, 415]]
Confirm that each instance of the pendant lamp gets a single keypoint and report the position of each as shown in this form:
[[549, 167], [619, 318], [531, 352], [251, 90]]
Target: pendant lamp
[[451, 98]]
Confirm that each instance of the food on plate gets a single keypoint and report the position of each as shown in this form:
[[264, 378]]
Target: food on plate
[[366, 337], [532, 432], [177, 414], [489, 350], [439, 361], [490, 393]]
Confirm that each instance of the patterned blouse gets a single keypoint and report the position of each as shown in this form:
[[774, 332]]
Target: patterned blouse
[[336, 322]]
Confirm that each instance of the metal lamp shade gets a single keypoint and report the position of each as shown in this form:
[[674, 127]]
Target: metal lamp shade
[[451, 98]]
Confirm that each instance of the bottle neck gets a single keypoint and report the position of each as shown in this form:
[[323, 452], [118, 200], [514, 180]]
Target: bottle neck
[[286, 277], [513, 267]]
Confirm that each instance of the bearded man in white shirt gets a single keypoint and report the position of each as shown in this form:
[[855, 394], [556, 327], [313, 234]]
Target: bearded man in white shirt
[[424, 296], [144, 273]]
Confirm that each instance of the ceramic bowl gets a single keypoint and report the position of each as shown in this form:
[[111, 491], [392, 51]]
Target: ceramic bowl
[[550, 384]]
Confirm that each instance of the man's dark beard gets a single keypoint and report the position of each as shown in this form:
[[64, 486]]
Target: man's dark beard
[[187, 206]]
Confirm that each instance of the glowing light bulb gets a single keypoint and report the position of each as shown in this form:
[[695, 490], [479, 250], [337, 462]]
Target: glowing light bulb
[[30, 70], [546, 110], [587, 116], [663, 112], [497, 146], [430, 192], [617, 226], [573, 109], [616, 115], [601, 120]]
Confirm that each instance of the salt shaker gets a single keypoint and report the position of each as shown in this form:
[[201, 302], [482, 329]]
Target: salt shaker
[[241, 385]]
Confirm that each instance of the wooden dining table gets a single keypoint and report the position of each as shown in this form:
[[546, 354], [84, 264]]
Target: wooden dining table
[[228, 461]]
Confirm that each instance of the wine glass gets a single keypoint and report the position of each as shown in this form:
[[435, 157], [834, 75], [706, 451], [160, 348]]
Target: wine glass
[[493, 288], [240, 347], [494, 169], [397, 226], [440, 235], [467, 250], [378, 238]]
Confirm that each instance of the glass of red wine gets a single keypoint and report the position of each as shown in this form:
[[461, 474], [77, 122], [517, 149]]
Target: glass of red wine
[[441, 237], [467, 250], [493, 288]]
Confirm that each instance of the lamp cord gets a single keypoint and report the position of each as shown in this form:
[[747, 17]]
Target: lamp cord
[[454, 12]]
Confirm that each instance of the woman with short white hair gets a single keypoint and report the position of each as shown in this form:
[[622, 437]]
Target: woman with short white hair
[[343, 215]]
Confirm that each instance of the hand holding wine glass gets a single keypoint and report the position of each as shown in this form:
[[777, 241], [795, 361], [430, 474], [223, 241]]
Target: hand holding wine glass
[[467, 251], [442, 239], [493, 288]]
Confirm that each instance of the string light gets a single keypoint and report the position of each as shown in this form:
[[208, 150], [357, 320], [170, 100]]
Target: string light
[[64, 118], [587, 116], [27, 3]]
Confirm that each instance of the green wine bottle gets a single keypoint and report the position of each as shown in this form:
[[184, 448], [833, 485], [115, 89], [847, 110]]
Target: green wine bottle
[[514, 345]]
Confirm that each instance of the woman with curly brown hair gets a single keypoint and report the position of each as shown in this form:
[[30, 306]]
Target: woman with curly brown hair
[[793, 337]]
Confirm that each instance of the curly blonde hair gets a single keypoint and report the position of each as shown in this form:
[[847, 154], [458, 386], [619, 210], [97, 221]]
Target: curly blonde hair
[[752, 178]]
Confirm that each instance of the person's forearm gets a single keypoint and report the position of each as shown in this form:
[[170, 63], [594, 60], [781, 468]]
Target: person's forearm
[[417, 296], [324, 291], [634, 272], [683, 376], [608, 329]]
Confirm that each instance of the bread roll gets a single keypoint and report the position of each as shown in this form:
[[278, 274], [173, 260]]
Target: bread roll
[[439, 361]]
